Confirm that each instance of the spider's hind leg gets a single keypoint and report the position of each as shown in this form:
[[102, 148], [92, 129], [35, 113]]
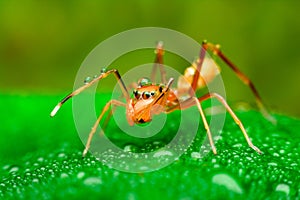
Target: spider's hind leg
[[216, 50]]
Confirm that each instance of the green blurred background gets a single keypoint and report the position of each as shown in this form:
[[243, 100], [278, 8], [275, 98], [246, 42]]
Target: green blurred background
[[43, 43]]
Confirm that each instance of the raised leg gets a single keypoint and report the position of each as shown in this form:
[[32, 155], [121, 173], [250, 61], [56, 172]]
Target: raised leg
[[158, 62], [233, 115], [216, 50], [101, 76], [94, 128]]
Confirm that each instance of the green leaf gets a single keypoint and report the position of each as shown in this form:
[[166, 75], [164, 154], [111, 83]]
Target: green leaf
[[41, 159]]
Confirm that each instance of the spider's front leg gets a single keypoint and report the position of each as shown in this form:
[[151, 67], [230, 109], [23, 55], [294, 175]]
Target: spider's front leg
[[94, 128], [111, 102], [101, 76]]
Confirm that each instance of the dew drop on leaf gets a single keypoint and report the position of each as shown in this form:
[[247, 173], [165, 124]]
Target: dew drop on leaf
[[283, 188], [64, 175], [228, 182], [92, 181], [272, 164], [80, 175], [14, 169], [130, 148], [195, 155], [161, 153]]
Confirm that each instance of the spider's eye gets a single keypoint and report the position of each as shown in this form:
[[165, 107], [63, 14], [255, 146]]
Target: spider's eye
[[144, 82], [146, 95], [136, 94]]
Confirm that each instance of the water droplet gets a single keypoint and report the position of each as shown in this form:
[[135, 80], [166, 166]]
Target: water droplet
[[248, 158], [80, 175], [130, 148], [144, 82], [35, 180], [294, 164], [95, 76], [61, 155], [6, 167], [238, 145], [14, 169], [195, 155], [276, 154], [216, 166], [228, 182], [122, 156], [283, 188], [36, 164], [103, 70], [64, 175], [272, 164], [282, 151], [158, 144], [162, 153], [27, 174], [116, 173], [92, 181], [51, 171], [144, 168], [87, 80]]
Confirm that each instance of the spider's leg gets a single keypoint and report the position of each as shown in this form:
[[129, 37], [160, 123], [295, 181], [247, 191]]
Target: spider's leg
[[104, 125], [216, 50], [79, 90], [94, 128], [233, 115], [158, 62], [192, 102], [197, 72]]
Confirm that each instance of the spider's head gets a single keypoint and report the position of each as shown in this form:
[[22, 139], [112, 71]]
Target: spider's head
[[144, 100], [148, 99]]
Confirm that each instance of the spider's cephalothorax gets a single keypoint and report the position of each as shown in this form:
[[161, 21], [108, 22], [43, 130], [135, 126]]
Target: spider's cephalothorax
[[149, 98], [147, 93]]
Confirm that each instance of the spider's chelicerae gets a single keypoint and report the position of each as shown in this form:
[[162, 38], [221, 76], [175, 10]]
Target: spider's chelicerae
[[150, 98]]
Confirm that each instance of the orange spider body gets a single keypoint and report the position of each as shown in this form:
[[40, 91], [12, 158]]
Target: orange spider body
[[139, 109]]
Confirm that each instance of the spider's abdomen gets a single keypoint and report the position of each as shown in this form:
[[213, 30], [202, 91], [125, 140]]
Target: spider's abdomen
[[208, 72]]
